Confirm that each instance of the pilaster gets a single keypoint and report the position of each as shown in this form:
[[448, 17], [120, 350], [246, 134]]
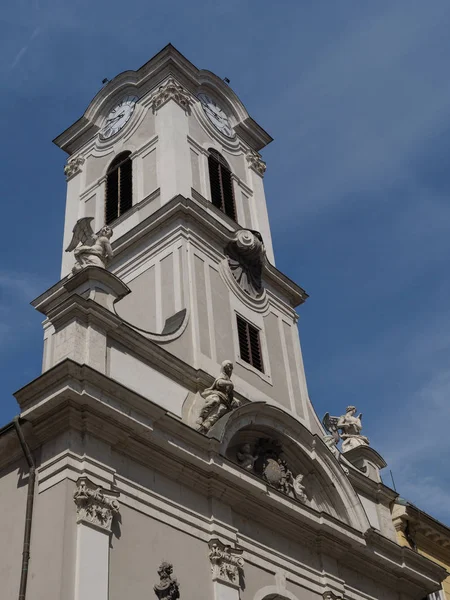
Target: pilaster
[[96, 509], [74, 172], [259, 210], [227, 567], [70, 331], [171, 105]]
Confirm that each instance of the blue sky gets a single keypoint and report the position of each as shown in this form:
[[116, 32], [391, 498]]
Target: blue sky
[[357, 97]]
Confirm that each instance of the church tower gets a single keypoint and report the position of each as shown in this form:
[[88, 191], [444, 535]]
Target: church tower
[[171, 448], [169, 158]]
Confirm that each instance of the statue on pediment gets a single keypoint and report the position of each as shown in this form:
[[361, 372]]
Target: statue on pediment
[[346, 428], [219, 398], [94, 249]]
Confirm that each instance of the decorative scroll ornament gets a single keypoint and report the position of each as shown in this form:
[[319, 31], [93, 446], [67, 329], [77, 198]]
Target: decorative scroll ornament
[[256, 162], [265, 461], [94, 505], [73, 167], [346, 428], [246, 255], [171, 90], [331, 442], [95, 249], [168, 588], [226, 563], [219, 399]]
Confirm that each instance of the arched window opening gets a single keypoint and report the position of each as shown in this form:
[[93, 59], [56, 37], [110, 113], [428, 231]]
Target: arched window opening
[[119, 187], [222, 194]]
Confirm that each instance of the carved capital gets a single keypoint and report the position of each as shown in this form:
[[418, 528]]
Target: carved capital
[[95, 506], [226, 563], [256, 162], [171, 90], [73, 166]]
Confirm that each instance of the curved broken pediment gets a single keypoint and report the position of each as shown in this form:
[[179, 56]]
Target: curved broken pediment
[[276, 448]]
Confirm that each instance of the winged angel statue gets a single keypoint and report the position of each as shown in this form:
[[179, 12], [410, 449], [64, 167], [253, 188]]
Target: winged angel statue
[[350, 428], [95, 249]]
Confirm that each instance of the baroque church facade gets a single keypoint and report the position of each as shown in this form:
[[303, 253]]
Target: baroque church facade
[[169, 448]]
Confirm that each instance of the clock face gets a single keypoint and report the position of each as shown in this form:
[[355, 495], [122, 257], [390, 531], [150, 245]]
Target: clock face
[[216, 115], [117, 117]]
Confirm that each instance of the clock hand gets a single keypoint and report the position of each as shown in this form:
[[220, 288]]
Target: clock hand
[[114, 118], [214, 114]]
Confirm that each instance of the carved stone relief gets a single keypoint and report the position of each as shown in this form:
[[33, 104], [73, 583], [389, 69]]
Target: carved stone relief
[[171, 90], [226, 563], [246, 258], [256, 162], [94, 505], [90, 249], [264, 459], [346, 428], [168, 587], [219, 399], [73, 166]]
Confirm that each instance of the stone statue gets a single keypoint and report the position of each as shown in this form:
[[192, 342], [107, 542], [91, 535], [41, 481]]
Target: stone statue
[[299, 488], [219, 398], [349, 427], [246, 255], [168, 588], [95, 249], [246, 457]]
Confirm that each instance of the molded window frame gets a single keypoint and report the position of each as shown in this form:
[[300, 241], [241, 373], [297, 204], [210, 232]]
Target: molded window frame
[[256, 321], [221, 190], [118, 183]]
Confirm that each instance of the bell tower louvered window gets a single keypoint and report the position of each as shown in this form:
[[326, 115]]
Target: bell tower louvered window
[[249, 344], [221, 183], [119, 187]]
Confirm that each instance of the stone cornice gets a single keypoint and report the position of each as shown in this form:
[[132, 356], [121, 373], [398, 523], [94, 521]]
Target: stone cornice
[[427, 533], [203, 214], [150, 435], [54, 296], [373, 489]]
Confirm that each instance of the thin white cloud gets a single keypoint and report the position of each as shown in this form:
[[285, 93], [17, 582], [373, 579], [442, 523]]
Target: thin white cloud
[[24, 49]]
